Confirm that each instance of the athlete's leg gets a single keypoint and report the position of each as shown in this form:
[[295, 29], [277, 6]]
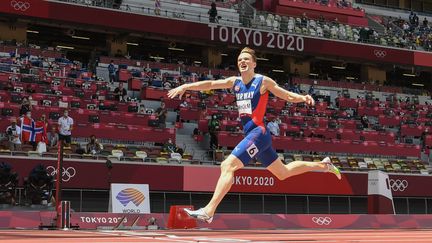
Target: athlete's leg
[[240, 156], [282, 171], [228, 167]]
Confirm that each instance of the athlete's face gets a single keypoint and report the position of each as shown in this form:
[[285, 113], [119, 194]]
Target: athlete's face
[[245, 62]]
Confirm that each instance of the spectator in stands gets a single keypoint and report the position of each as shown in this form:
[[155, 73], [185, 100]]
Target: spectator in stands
[[296, 88], [157, 7], [311, 90], [13, 133], [196, 131], [425, 22], [213, 13], [405, 27], [171, 147], [95, 96], [184, 104], [25, 106], [120, 93], [93, 147], [52, 138], [304, 20], [273, 127], [102, 106], [65, 126], [342, 4], [112, 72], [29, 116], [44, 121], [301, 133], [213, 127], [410, 18], [141, 109], [321, 19], [365, 121], [29, 89], [415, 20], [161, 114]]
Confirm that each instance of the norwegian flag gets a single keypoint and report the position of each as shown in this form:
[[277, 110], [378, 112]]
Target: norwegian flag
[[32, 131]]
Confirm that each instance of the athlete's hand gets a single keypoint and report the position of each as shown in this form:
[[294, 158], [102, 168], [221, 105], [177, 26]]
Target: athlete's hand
[[309, 100], [179, 91]]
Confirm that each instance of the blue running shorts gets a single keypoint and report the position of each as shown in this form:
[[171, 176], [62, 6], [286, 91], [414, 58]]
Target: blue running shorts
[[257, 143]]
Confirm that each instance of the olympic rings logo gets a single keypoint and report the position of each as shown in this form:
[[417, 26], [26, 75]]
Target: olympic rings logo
[[322, 220], [398, 185], [380, 53], [67, 173], [20, 5]]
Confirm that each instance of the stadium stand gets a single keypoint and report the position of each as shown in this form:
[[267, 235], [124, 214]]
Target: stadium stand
[[331, 123], [306, 20]]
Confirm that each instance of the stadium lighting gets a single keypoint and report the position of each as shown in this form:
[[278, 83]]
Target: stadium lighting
[[224, 54], [339, 67], [66, 47], [415, 84], [197, 62], [350, 78], [409, 75], [278, 71], [262, 59], [80, 37], [313, 74], [33, 31], [131, 44], [175, 49]]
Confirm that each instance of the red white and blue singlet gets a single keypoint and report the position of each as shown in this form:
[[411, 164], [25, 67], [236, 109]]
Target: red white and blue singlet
[[252, 106]]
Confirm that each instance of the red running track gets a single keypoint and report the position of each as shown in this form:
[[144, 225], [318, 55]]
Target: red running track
[[202, 236]]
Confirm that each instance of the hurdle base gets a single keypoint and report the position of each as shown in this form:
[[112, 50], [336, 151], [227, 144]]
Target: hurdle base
[[178, 218]]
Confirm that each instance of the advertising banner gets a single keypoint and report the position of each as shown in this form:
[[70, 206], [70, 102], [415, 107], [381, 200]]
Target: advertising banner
[[130, 198]]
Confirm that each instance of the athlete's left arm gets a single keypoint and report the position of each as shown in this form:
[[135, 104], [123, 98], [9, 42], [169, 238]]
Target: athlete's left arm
[[272, 86]]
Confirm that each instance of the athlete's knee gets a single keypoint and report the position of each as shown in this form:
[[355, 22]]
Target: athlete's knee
[[227, 166], [230, 165]]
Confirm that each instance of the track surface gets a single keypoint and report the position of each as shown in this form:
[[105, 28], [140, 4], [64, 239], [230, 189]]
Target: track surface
[[83, 236]]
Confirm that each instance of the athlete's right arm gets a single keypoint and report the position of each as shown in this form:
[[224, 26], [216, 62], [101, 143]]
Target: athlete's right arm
[[202, 86]]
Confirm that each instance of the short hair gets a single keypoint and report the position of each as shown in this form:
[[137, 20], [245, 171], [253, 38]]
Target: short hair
[[250, 51]]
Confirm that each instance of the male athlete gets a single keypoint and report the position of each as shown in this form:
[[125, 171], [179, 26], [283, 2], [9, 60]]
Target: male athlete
[[251, 91]]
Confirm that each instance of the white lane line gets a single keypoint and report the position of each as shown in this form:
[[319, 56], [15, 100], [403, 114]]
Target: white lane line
[[138, 235]]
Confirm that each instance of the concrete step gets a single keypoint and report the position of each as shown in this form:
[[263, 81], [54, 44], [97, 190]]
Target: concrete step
[[187, 128], [375, 25], [186, 141]]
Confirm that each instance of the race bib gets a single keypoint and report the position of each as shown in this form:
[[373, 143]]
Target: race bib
[[244, 106], [252, 150]]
